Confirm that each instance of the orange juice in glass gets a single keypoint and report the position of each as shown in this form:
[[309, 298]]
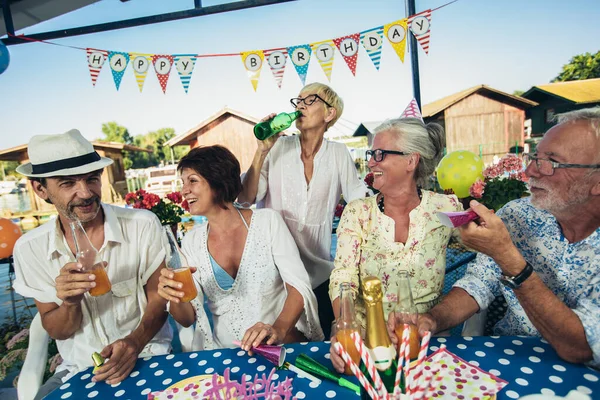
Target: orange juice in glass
[[343, 336], [177, 263], [346, 323], [90, 260], [103, 285]]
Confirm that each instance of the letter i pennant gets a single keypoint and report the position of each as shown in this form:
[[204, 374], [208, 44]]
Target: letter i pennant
[[277, 58], [140, 63], [96, 60], [185, 66], [396, 34], [253, 61], [118, 63], [348, 46], [162, 67], [420, 25], [325, 52], [372, 40]]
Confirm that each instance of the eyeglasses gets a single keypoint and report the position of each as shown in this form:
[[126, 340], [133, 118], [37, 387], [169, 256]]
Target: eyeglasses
[[308, 100], [379, 154], [547, 167]]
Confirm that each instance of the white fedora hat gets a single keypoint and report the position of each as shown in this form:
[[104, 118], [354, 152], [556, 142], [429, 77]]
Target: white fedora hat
[[61, 155]]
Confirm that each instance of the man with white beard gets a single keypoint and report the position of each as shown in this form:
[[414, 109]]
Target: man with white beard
[[542, 253]]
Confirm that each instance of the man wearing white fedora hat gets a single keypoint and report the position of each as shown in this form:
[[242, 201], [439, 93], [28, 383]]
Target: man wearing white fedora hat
[[123, 324]]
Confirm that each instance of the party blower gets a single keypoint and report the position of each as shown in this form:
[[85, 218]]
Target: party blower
[[275, 354], [307, 364]]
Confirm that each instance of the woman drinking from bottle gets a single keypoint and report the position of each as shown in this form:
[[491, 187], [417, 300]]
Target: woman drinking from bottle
[[248, 265], [302, 177]]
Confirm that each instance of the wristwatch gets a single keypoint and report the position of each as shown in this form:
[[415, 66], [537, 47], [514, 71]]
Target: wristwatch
[[515, 282]]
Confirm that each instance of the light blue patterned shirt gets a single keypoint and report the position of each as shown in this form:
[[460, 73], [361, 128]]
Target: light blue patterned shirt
[[570, 270]]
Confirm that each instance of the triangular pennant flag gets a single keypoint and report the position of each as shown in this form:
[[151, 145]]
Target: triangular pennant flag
[[348, 46], [395, 32], [300, 56], [276, 58], [253, 61], [372, 40], [412, 111], [185, 66], [140, 63], [95, 60], [162, 67], [420, 25], [325, 53], [118, 63]]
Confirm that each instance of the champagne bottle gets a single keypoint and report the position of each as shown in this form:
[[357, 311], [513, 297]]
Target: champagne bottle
[[346, 324], [280, 122], [377, 341], [90, 259]]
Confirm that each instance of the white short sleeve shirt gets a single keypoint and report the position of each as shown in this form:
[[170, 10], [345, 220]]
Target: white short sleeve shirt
[[133, 249]]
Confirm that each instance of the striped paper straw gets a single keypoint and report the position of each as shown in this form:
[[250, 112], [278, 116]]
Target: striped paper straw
[[407, 377], [370, 364], [418, 375], [356, 371], [405, 338], [440, 373]]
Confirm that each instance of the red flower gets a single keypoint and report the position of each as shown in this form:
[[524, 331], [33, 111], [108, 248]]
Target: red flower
[[175, 197], [339, 209], [185, 205], [369, 179]]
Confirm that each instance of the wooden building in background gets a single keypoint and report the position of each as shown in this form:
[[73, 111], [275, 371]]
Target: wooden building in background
[[228, 128], [481, 119], [114, 184]]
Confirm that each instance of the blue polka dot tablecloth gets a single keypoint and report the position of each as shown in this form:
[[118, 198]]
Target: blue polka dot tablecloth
[[530, 366]]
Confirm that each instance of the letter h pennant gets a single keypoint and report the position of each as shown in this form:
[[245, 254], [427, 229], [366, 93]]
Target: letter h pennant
[[348, 46]]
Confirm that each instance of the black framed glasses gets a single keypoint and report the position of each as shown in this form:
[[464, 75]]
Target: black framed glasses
[[547, 167], [308, 100], [379, 154]]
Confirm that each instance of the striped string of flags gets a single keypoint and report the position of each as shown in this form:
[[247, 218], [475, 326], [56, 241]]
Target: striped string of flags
[[300, 55]]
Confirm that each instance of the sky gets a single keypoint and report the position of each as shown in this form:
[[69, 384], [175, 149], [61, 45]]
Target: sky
[[509, 45]]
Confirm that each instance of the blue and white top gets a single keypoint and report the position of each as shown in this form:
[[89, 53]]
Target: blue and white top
[[570, 270]]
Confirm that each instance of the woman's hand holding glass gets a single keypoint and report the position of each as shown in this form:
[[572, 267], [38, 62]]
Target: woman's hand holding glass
[[170, 289]]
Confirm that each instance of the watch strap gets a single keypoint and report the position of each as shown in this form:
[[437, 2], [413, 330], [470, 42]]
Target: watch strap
[[516, 281]]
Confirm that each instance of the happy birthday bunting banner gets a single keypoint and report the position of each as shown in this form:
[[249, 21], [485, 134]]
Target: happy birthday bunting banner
[[372, 41], [184, 63], [396, 35], [162, 67], [140, 63], [253, 61], [118, 63], [300, 56], [325, 53], [420, 26], [276, 58], [95, 60], [348, 46]]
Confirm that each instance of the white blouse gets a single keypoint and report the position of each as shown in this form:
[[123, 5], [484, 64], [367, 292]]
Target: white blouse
[[269, 261], [308, 209]]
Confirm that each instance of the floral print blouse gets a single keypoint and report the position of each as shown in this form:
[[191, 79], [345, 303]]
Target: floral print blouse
[[366, 247]]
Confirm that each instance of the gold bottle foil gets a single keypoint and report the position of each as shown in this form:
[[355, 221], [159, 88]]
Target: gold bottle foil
[[377, 339]]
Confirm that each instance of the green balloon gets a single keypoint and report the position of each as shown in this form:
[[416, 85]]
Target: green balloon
[[458, 171]]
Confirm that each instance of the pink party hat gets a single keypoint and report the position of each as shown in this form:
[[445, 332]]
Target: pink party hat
[[275, 354], [412, 111]]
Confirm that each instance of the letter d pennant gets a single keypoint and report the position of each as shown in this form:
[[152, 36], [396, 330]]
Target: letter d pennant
[[253, 61]]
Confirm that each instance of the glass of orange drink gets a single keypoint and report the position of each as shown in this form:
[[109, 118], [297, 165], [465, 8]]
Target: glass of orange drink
[[406, 313], [177, 263]]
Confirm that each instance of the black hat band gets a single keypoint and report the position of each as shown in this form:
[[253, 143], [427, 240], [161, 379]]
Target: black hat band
[[66, 163]]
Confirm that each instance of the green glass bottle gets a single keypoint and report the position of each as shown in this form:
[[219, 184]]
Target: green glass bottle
[[280, 122], [377, 340]]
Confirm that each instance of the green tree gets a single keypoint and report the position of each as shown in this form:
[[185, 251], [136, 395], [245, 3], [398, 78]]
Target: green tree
[[114, 132], [518, 93], [580, 67]]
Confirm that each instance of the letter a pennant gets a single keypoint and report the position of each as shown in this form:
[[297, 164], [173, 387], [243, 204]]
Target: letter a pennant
[[95, 60], [396, 34], [372, 40], [118, 63], [348, 46], [420, 25], [276, 58], [185, 66], [253, 61], [140, 63], [300, 56], [325, 52], [162, 67]]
